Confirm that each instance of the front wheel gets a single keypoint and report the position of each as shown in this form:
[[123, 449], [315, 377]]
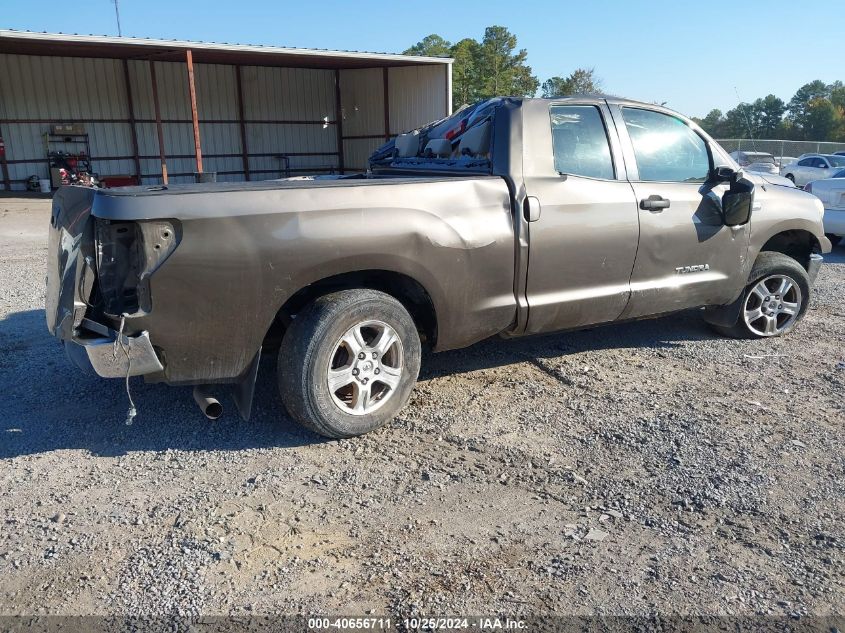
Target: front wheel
[[790, 177], [775, 299], [834, 239], [348, 362]]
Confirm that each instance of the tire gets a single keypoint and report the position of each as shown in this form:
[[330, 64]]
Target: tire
[[790, 177], [330, 335], [834, 239], [770, 270]]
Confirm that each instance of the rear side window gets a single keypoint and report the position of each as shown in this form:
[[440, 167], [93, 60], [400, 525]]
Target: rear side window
[[579, 140], [665, 147], [807, 162]]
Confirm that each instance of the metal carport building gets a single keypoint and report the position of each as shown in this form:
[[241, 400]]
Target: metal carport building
[[165, 110]]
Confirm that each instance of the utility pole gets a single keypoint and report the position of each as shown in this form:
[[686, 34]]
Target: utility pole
[[117, 16]]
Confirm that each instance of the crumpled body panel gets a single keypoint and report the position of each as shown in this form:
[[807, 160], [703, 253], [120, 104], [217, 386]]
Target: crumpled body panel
[[245, 250]]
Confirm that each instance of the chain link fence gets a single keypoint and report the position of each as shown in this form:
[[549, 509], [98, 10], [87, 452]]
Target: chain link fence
[[778, 148]]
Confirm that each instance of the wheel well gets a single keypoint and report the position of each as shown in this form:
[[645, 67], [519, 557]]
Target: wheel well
[[797, 244], [408, 291]]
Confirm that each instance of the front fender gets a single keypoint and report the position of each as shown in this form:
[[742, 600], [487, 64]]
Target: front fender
[[785, 209]]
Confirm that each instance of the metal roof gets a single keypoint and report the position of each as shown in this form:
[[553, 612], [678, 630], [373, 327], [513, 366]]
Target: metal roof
[[64, 45]]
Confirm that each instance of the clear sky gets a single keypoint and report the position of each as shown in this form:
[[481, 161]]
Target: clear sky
[[694, 56]]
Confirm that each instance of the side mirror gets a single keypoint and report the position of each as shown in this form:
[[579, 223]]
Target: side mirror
[[724, 173], [737, 202]]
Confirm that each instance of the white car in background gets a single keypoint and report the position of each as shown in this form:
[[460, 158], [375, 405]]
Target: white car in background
[[811, 167], [761, 162], [783, 161], [831, 191]]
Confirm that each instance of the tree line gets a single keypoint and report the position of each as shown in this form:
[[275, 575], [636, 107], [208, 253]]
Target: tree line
[[495, 66], [815, 113]]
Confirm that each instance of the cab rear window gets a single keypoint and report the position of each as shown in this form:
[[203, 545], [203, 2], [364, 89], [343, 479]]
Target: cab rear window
[[579, 142]]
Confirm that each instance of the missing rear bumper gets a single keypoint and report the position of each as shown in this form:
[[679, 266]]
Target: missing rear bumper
[[108, 357]]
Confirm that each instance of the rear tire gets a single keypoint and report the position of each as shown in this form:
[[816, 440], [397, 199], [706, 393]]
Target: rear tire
[[774, 301], [348, 362]]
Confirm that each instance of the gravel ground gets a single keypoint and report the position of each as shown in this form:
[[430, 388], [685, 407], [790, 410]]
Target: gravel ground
[[651, 467]]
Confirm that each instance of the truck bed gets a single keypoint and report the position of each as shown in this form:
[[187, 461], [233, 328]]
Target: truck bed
[[244, 250]]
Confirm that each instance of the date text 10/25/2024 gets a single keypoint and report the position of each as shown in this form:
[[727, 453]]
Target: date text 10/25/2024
[[414, 623]]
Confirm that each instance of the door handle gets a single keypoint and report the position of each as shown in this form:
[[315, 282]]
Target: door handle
[[654, 203], [531, 209]]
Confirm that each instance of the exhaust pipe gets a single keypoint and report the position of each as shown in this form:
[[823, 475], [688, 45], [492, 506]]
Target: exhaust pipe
[[209, 405]]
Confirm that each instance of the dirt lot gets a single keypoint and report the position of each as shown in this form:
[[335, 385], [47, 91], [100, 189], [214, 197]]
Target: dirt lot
[[642, 468]]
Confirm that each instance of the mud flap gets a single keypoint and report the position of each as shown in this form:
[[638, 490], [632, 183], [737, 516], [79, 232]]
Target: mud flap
[[814, 267], [725, 316], [244, 389]]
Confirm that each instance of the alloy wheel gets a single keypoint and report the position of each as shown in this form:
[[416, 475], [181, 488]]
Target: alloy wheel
[[365, 367], [772, 305]]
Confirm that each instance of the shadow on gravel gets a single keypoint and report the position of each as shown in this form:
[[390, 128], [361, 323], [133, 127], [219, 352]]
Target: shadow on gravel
[[47, 404], [665, 333]]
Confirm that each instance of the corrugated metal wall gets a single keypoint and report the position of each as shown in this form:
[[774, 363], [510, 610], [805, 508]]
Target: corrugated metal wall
[[286, 111], [416, 95], [41, 90], [362, 99]]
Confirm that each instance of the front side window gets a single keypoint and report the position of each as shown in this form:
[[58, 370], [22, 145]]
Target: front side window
[[579, 142], [665, 147]]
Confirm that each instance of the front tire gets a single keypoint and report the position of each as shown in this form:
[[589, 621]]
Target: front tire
[[790, 177], [834, 239], [348, 362], [774, 301]]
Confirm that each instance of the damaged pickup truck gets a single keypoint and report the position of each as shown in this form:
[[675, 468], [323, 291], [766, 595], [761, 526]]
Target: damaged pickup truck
[[511, 217]]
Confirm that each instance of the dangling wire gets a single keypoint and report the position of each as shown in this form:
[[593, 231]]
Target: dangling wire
[[127, 348]]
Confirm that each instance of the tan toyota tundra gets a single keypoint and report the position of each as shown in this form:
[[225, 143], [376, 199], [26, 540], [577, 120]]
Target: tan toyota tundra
[[510, 217]]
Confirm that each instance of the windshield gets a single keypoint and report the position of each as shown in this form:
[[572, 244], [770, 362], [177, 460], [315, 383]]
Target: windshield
[[836, 161], [839, 174]]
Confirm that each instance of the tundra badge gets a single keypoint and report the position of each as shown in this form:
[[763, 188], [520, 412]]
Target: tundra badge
[[683, 270]]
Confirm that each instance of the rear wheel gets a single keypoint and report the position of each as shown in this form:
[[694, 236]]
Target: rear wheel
[[348, 362], [774, 300]]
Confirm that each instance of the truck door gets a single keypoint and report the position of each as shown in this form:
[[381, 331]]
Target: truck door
[[687, 257], [583, 226]]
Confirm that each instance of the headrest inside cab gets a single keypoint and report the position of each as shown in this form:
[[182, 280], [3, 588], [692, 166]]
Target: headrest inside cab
[[476, 140], [440, 147], [408, 144]]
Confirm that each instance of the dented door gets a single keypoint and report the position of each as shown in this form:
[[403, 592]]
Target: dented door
[[687, 257]]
